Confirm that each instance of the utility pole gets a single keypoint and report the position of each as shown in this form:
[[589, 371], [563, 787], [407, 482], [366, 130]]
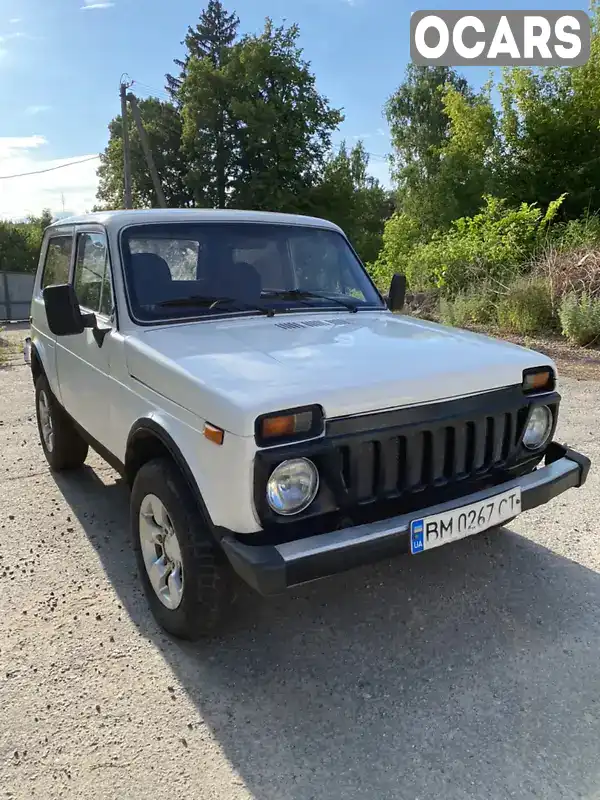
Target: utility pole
[[126, 152], [162, 203]]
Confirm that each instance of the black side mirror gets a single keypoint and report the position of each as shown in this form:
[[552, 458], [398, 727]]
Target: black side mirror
[[397, 293], [63, 312]]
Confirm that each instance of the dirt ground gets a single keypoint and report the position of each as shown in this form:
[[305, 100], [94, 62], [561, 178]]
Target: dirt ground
[[472, 672]]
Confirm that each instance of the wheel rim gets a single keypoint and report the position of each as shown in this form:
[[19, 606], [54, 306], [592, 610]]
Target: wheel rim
[[161, 551], [46, 421]]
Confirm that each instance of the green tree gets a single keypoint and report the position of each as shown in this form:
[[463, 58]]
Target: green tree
[[247, 127], [20, 243], [211, 39], [283, 126], [164, 129], [467, 155], [354, 200], [256, 131], [41, 222], [549, 139], [203, 89], [550, 134], [421, 126]]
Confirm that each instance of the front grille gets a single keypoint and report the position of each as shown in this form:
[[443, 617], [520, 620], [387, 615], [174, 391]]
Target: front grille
[[385, 466], [391, 462]]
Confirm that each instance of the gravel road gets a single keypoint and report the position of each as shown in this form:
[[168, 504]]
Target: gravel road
[[470, 672]]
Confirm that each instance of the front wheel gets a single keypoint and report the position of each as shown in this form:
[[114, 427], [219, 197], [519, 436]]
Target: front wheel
[[186, 577]]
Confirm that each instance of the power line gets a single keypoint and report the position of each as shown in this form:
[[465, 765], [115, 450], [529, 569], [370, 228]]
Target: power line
[[160, 92], [48, 169]]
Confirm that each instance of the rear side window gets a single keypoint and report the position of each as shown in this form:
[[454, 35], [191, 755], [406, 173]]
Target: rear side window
[[181, 255], [58, 261], [92, 275]]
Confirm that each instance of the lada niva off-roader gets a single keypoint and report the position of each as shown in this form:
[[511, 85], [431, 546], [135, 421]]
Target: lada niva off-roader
[[271, 414]]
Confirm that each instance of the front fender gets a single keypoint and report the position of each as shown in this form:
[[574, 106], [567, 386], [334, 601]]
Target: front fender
[[220, 477]]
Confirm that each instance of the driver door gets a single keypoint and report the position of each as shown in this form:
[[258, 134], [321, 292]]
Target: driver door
[[83, 365]]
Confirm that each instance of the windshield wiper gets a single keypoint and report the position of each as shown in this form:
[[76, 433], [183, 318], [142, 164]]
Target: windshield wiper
[[302, 294], [204, 301]]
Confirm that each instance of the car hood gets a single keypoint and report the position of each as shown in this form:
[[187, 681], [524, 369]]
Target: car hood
[[230, 371]]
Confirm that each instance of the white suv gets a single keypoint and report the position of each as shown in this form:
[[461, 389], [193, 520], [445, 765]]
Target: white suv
[[271, 414]]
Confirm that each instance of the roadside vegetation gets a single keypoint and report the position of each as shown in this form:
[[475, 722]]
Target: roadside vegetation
[[494, 211], [20, 243]]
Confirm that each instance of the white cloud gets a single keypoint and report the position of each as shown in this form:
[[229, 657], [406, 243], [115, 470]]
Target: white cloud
[[14, 20], [32, 111], [11, 145], [88, 5], [75, 186], [15, 35]]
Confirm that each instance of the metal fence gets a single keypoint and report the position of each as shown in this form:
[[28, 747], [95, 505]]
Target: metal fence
[[16, 291]]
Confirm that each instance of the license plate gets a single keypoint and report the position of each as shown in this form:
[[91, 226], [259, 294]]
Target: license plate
[[429, 532]]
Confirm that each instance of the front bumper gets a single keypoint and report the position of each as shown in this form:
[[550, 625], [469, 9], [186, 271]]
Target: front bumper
[[271, 569]]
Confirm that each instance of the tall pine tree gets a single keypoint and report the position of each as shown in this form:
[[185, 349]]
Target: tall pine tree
[[214, 34]]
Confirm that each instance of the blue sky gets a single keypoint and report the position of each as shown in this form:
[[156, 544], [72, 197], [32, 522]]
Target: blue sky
[[60, 65]]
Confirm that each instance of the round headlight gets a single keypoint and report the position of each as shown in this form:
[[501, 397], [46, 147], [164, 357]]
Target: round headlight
[[538, 427], [293, 486]]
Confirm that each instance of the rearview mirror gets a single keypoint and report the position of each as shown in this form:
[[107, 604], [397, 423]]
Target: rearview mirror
[[63, 312], [397, 293]]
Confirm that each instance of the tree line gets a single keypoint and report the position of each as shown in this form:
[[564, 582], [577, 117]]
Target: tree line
[[497, 196], [494, 188]]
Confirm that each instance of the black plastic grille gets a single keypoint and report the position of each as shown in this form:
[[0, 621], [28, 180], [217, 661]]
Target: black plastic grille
[[390, 462], [385, 466]]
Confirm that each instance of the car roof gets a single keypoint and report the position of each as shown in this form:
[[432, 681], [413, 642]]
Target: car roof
[[121, 219]]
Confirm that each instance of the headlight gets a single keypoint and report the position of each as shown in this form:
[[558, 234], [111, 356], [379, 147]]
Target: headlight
[[293, 486], [538, 427]]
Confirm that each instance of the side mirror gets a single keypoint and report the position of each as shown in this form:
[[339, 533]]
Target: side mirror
[[63, 312], [397, 293]]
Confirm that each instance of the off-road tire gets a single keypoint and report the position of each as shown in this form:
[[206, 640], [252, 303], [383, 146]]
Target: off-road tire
[[69, 450], [207, 576]]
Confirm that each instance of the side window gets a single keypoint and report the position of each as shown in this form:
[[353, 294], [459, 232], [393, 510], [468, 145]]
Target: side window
[[180, 255], [92, 274], [58, 261]]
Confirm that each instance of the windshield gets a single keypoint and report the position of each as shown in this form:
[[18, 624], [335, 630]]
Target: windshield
[[191, 270]]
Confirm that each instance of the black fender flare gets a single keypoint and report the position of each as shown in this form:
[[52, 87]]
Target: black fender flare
[[148, 427], [36, 359]]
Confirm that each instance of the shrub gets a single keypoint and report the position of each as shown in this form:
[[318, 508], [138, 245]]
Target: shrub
[[526, 307], [400, 237], [20, 246], [571, 270], [577, 233], [494, 246], [580, 318], [423, 304], [474, 308]]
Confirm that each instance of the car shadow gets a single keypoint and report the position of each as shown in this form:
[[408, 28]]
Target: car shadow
[[469, 674]]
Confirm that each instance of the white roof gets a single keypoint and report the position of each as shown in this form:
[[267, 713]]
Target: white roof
[[121, 219]]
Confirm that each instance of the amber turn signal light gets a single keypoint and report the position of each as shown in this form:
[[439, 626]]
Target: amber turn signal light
[[213, 434], [289, 425], [286, 425], [538, 380]]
